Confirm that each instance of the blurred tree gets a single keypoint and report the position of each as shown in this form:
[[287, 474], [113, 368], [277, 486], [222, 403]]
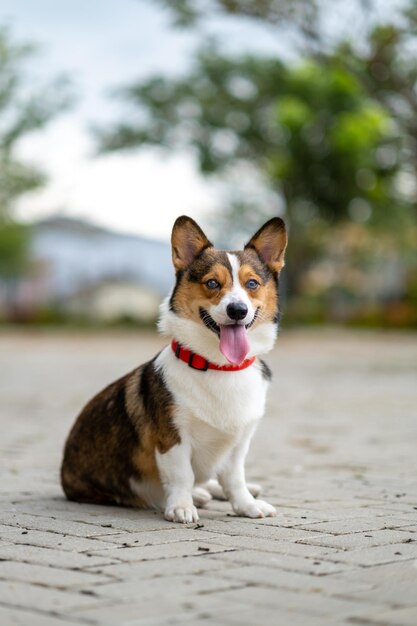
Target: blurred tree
[[334, 131], [302, 13], [22, 110], [387, 69], [311, 127], [377, 46]]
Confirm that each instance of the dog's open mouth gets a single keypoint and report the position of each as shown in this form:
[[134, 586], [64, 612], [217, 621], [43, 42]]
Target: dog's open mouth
[[234, 343], [209, 321], [211, 324]]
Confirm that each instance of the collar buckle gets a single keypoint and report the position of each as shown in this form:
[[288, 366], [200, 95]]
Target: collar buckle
[[197, 362]]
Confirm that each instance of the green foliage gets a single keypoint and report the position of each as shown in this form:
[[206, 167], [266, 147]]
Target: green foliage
[[327, 161], [312, 127], [303, 13], [14, 240], [23, 109], [16, 178], [211, 110]]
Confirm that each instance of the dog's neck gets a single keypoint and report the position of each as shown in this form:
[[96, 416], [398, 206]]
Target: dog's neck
[[201, 340]]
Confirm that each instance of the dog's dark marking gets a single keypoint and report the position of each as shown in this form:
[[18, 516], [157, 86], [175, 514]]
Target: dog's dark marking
[[266, 371], [159, 405], [179, 276], [209, 321], [255, 317], [195, 273], [203, 263], [115, 437], [277, 318], [251, 257], [98, 458]]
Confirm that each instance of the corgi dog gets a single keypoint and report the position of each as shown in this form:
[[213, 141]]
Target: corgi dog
[[174, 432]]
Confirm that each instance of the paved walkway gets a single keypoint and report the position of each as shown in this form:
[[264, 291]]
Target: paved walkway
[[336, 453]]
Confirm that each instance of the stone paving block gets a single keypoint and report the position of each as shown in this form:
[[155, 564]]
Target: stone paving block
[[19, 496], [401, 571], [6, 530], [23, 595], [238, 616], [146, 538], [308, 519], [325, 514], [397, 522], [49, 556], [107, 517], [164, 551], [280, 579], [184, 588], [60, 525], [360, 540], [142, 522], [409, 529], [266, 617], [112, 517], [29, 617], [294, 602], [55, 540], [392, 593], [289, 563], [377, 555], [6, 541], [256, 529], [406, 616], [342, 527], [396, 508], [49, 576], [154, 612], [158, 568], [269, 545]]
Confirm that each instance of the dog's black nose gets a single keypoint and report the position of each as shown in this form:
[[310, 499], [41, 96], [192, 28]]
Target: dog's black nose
[[237, 310]]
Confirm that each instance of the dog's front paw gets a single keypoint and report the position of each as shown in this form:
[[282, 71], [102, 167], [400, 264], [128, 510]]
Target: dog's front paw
[[257, 508], [183, 514]]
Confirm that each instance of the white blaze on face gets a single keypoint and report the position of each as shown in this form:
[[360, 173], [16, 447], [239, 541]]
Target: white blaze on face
[[236, 294], [234, 342]]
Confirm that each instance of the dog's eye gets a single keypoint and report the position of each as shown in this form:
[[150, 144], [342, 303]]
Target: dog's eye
[[212, 284], [252, 284]]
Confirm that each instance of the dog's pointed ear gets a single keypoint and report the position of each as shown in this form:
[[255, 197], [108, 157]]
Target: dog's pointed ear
[[188, 241], [270, 242]]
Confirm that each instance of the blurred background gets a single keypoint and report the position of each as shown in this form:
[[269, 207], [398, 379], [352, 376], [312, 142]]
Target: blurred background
[[115, 118]]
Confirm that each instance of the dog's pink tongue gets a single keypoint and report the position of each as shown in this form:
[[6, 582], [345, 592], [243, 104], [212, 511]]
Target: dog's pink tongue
[[234, 344]]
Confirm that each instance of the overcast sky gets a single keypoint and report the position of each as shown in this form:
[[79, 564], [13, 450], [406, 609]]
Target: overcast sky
[[102, 44]]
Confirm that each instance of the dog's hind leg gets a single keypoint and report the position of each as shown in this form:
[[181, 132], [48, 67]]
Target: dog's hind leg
[[214, 488], [254, 489], [201, 496]]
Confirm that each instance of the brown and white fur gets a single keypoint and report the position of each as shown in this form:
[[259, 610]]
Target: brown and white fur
[[164, 434]]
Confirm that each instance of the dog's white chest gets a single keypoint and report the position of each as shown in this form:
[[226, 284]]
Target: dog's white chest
[[227, 401], [208, 447]]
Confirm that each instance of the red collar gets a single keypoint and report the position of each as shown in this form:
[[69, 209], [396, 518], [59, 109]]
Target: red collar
[[198, 362]]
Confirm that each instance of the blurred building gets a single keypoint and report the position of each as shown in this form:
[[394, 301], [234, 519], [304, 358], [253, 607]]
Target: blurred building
[[80, 269]]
